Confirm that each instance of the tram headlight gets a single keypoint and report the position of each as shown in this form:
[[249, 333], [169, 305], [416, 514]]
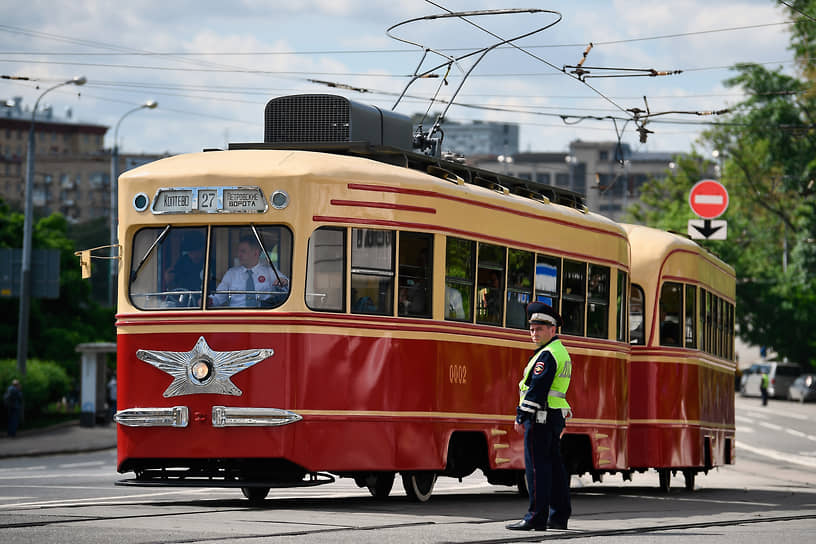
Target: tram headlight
[[140, 202], [202, 371], [279, 200]]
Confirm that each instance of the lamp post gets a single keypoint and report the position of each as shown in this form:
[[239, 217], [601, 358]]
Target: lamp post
[[150, 104], [25, 269]]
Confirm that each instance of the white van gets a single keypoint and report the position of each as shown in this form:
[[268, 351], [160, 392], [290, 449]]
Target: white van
[[780, 377]]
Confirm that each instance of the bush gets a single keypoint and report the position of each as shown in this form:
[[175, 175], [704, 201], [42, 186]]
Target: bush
[[45, 382]]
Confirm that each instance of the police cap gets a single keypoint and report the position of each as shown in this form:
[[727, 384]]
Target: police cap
[[539, 312]]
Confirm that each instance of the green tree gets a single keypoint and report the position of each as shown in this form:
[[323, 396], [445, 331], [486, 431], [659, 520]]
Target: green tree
[[769, 145], [56, 326]]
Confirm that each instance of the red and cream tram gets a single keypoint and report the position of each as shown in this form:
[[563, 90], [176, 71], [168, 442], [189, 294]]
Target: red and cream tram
[[328, 304], [681, 378]]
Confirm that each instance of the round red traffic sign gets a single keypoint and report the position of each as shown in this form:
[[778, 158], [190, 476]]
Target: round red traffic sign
[[708, 199]]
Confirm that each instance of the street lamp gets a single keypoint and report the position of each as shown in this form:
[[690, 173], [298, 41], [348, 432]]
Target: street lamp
[[507, 160], [718, 167], [25, 269], [150, 104]]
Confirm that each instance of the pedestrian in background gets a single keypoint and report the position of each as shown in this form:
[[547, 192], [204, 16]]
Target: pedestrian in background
[[14, 404], [763, 387], [541, 414]]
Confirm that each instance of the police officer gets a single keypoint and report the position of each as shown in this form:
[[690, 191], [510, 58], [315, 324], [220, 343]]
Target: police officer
[[540, 414]]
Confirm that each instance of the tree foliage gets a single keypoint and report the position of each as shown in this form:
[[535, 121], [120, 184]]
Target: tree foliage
[[768, 145], [55, 326]]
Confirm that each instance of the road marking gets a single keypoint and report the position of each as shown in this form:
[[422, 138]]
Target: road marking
[[744, 430], [18, 469], [58, 475], [757, 415], [773, 426], [784, 413], [794, 432], [110, 500], [743, 418], [87, 464], [779, 456]]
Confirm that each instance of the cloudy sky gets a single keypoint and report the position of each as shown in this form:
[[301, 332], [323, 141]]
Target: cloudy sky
[[213, 65]]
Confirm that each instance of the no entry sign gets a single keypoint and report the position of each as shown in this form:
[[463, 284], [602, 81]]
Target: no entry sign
[[708, 199]]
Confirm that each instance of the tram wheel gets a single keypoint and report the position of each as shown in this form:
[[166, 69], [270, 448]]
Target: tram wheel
[[256, 495], [379, 485], [665, 479], [688, 476], [419, 485]]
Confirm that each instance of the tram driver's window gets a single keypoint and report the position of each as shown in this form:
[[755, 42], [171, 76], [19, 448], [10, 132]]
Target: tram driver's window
[[415, 254], [167, 269], [249, 266], [671, 314], [372, 271]]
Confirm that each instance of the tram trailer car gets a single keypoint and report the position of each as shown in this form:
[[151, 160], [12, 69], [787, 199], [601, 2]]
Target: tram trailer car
[[681, 378], [395, 334]]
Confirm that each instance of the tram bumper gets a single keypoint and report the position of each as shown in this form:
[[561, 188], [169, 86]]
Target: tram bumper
[[222, 416]]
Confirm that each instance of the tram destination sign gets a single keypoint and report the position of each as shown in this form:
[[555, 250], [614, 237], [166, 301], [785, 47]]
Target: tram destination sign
[[209, 200]]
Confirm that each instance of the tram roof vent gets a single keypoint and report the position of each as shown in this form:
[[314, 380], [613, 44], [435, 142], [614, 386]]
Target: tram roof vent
[[326, 118]]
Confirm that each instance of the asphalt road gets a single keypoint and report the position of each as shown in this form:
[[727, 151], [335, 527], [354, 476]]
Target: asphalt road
[[769, 495]]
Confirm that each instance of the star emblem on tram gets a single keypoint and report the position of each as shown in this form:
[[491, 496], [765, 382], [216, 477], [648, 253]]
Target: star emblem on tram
[[203, 370]]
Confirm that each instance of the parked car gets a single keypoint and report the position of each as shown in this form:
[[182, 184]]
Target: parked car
[[780, 378], [753, 369], [803, 388]]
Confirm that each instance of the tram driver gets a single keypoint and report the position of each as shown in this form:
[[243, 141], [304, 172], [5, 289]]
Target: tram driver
[[251, 283]]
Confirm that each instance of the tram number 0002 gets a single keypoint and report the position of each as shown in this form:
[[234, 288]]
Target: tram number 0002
[[457, 374]]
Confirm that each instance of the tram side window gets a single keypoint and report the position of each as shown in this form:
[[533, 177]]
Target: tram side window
[[691, 316], [598, 302], [249, 266], [325, 270], [671, 314], [637, 316], [167, 270], [574, 297], [701, 321], [519, 287], [490, 285], [372, 271], [460, 258], [622, 316], [547, 280], [415, 273], [718, 330], [709, 347]]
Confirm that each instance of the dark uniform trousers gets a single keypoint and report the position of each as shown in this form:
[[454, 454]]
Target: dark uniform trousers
[[547, 480]]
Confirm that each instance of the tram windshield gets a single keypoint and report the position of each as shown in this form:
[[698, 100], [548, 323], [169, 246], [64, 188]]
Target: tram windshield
[[246, 267]]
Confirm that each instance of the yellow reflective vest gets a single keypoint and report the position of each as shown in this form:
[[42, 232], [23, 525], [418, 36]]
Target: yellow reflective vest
[[557, 396]]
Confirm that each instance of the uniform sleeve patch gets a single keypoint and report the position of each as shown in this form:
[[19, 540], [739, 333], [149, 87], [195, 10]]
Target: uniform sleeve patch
[[538, 369]]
